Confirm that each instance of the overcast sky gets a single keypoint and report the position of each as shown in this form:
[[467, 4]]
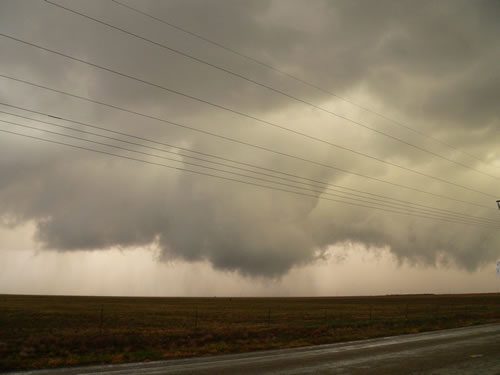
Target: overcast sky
[[424, 76]]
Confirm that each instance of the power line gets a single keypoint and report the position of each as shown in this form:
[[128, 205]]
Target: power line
[[290, 96], [307, 83], [312, 162], [327, 186], [217, 169], [253, 117], [244, 182], [405, 204]]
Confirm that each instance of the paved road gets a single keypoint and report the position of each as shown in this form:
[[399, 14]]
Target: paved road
[[472, 350]]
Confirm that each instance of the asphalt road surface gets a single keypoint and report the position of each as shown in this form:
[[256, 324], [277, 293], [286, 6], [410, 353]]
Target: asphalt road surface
[[471, 350]]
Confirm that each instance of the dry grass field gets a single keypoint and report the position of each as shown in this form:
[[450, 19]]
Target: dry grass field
[[54, 331]]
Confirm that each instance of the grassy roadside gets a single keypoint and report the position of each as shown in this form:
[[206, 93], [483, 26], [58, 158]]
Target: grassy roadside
[[55, 331]]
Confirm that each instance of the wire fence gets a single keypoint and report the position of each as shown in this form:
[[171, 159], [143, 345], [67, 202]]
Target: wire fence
[[352, 316]]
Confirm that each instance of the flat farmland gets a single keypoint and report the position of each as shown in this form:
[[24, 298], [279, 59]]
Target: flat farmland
[[56, 331]]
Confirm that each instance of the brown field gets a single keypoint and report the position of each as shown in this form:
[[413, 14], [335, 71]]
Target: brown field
[[53, 331]]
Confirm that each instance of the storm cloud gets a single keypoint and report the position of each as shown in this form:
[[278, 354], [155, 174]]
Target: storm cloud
[[429, 65]]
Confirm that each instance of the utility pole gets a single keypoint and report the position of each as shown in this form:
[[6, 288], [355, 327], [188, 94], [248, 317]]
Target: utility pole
[[498, 261]]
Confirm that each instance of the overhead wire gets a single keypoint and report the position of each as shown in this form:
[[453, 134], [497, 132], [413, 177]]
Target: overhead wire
[[240, 181], [327, 187], [303, 81], [280, 92], [255, 146], [252, 117]]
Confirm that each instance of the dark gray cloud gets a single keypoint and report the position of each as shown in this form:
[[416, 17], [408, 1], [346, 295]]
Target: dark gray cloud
[[432, 65]]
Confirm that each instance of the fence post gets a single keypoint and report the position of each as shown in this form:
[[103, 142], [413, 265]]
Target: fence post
[[101, 320]]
